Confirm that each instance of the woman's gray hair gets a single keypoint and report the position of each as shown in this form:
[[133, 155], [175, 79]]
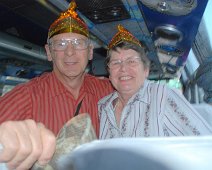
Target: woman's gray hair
[[126, 46]]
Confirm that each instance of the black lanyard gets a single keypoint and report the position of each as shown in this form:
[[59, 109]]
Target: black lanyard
[[78, 108]]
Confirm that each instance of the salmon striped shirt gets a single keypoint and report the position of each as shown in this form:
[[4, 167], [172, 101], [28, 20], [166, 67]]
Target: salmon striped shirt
[[45, 99]]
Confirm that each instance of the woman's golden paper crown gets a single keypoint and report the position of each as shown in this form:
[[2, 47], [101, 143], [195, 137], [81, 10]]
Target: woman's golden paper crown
[[68, 22], [123, 35]]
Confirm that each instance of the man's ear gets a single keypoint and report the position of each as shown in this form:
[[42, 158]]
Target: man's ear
[[48, 53], [90, 52], [109, 77]]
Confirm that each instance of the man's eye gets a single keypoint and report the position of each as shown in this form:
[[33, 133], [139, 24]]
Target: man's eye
[[77, 42], [60, 44]]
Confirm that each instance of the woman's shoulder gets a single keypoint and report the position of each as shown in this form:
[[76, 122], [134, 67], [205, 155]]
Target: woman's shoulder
[[105, 99], [155, 85]]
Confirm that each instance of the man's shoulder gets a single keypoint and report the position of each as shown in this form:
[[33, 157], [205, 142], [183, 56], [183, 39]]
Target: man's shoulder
[[98, 86], [101, 82], [35, 83], [32, 86], [39, 80], [92, 78]]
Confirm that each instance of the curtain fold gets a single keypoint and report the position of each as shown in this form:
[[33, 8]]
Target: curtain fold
[[201, 45]]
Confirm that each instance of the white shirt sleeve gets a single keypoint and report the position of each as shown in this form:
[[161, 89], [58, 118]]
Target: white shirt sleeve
[[181, 117], [205, 110]]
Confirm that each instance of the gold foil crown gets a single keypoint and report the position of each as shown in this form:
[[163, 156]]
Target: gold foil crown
[[123, 35], [68, 21]]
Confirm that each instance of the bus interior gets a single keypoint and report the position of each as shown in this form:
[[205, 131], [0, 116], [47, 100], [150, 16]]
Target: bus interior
[[176, 35], [174, 32]]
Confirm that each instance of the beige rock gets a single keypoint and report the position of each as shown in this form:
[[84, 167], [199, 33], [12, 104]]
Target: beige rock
[[77, 131]]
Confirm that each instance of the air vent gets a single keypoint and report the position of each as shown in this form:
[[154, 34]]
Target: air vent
[[102, 11], [170, 50], [168, 32]]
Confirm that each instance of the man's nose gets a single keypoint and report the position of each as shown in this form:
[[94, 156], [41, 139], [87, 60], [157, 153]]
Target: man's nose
[[70, 44], [70, 48]]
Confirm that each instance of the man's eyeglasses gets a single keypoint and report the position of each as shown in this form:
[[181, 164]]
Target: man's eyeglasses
[[130, 62], [78, 44]]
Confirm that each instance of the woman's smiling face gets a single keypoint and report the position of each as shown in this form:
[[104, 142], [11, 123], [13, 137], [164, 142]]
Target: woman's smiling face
[[129, 73]]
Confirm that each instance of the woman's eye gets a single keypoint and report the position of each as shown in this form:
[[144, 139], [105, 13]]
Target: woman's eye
[[131, 61], [76, 42], [116, 63]]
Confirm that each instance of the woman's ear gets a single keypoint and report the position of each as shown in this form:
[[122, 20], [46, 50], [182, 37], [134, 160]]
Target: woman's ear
[[48, 53], [146, 72]]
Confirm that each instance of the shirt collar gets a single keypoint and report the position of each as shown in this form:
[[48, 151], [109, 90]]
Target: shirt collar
[[57, 88], [140, 95], [88, 84]]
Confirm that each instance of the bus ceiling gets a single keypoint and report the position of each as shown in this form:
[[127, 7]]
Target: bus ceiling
[[167, 28]]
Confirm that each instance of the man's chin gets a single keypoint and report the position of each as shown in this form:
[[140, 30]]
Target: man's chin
[[75, 74]]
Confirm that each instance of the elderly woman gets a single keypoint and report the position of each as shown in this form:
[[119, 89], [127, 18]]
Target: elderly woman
[[138, 107]]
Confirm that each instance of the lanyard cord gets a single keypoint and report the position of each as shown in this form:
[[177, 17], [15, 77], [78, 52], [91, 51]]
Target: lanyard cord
[[78, 108]]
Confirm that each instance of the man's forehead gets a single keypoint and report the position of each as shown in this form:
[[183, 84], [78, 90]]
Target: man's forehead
[[68, 36]]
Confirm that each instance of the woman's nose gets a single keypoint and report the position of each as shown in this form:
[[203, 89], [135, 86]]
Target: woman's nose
[[123, 65]]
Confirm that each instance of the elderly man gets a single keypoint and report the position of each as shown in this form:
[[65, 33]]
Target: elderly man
[[33, 113]]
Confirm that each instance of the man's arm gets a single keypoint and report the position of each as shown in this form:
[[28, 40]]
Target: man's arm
[[24, 143]]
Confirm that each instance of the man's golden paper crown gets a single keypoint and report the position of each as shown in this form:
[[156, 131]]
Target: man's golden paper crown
[[68, 22], [123, 35]]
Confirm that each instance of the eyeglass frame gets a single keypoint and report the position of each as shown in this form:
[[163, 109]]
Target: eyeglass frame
[[127, 62], [69, 41]]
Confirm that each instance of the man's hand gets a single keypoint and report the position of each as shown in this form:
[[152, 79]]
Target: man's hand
[[24, 143]]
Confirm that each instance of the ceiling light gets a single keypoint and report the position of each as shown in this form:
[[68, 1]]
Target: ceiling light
[[169, 32], [171, 7]]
